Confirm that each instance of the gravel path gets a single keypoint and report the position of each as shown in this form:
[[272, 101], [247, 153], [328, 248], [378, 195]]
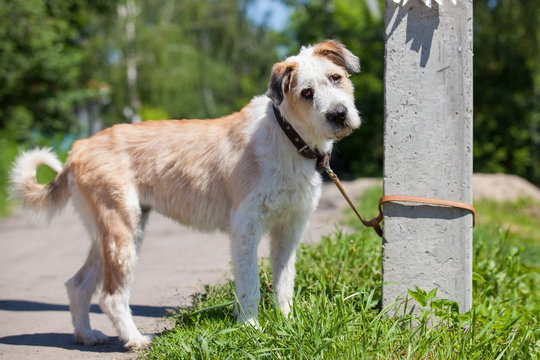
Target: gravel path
[[36, 260]]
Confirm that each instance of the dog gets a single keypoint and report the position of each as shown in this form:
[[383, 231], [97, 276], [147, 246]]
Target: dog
[[254, 172]]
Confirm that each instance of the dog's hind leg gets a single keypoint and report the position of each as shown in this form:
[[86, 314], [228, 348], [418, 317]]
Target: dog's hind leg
[[80, 289], [82, 285], [284, 239], [120, 241]]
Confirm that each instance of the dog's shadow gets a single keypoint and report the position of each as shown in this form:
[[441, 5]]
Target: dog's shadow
[[136, 310], [66, 340], [63, 341]]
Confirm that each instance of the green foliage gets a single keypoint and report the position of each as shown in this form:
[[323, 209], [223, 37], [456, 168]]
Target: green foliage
[[422, 297], [7, 155], [40, 64], [336, 312], [153, 113], [195, 59], [507, 87]]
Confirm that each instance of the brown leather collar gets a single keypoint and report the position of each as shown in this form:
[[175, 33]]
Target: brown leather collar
[[323, 160]]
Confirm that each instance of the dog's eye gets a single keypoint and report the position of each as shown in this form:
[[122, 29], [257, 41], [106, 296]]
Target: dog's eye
[[307, 93], [335, 78]]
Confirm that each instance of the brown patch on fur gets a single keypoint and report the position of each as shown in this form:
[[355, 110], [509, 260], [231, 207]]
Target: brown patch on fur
[[345, 83], [282, 80], [337, 53]]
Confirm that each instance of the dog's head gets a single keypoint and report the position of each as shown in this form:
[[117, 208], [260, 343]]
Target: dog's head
[[314, 93]]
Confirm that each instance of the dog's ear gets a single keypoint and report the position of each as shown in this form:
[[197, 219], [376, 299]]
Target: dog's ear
[[337, 53], [281, 80]]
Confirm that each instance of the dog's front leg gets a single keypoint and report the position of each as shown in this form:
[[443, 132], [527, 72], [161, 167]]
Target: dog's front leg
[[283, 245], [245, 235]]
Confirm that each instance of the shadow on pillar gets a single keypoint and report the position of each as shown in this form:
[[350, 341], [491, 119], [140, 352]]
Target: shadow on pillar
[[422, 22]]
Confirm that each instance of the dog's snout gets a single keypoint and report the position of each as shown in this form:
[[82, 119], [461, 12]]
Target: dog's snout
[[337, 115]]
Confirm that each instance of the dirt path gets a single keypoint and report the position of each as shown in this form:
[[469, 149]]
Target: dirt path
[[35, 260]]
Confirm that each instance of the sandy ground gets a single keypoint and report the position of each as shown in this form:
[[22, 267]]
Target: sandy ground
[[35, 260]]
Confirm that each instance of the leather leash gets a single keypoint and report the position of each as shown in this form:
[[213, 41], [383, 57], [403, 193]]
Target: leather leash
[[430, 201], [323, 164], [375, 223]]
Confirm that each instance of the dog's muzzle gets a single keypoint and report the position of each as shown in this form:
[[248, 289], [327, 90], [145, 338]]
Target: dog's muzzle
[[337, 115]]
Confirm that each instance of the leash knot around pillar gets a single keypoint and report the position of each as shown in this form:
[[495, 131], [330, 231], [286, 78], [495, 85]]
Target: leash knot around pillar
[[375, 223]]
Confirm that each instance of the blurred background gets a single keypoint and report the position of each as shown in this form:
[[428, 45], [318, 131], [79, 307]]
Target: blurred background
[[68, 68]]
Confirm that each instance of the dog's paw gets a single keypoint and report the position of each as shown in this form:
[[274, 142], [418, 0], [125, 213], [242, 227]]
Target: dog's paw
[[251, 322], [91, 337], [139, 342]]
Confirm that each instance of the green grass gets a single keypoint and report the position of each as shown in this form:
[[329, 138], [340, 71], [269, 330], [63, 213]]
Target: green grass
[[517, 221], [7, 156], [337, 314]]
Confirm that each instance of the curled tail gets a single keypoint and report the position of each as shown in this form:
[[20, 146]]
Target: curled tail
[[36, 197]]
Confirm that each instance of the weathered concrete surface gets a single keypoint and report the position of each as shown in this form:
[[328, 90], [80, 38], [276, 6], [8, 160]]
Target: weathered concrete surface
[[428, 149]]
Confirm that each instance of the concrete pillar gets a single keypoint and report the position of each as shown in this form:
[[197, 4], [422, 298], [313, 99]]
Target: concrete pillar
[[428, 149]]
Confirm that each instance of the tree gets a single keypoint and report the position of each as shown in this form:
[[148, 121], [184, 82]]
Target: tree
[[507, 87], [62, 59], [41, 53], [195, 59]]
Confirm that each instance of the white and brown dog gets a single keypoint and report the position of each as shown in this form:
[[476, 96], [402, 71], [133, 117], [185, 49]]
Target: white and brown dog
[[247, 173]]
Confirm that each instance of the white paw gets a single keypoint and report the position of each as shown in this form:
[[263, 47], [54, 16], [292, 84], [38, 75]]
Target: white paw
[[91, 337], [253, 322], [139, 342], [285, 307]]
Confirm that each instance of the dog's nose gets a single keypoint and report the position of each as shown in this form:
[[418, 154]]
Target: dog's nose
[[337, 115]]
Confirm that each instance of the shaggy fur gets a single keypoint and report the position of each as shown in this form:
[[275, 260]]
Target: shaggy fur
[[238, 174]]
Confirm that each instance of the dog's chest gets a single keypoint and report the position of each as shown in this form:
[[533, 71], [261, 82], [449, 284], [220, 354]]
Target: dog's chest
[[289, 196]]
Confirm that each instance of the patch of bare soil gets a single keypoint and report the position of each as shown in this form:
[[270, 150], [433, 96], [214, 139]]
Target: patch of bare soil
[[502, 187]]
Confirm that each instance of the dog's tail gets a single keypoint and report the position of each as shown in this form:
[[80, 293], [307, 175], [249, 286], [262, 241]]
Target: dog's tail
[[39, 198]]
